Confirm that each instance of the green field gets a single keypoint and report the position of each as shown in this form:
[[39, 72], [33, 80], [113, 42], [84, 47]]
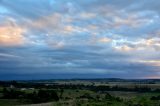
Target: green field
[[80, 93], [8, 102]]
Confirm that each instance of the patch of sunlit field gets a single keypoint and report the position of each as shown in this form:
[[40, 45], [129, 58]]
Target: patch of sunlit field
[[111, 84], [152, 86]]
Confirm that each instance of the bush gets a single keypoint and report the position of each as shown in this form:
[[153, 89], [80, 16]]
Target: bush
[[34, 97]]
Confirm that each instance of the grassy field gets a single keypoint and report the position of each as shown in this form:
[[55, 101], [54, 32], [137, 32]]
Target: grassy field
[[79, 93], [126, 99], [8, 102]]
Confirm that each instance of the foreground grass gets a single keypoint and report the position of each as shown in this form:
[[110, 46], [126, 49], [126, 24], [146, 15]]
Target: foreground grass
[[88, 103], [6, 102], [90, 98], [126, 99]]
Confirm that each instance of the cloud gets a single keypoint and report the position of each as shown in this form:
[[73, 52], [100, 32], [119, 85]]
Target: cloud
[[104, 40], [80, 37], [11, 36], [151, 62], [141, 44], [86, 15]]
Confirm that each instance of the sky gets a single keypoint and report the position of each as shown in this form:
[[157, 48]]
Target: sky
[[79, 39]]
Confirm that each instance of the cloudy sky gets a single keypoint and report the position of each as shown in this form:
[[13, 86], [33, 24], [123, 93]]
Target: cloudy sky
[[79, 39]]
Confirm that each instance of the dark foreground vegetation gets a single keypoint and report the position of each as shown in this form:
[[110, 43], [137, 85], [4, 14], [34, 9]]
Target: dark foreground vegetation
[[109, 92]]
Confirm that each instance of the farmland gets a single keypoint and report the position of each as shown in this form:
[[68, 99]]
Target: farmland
[[80, 92]]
